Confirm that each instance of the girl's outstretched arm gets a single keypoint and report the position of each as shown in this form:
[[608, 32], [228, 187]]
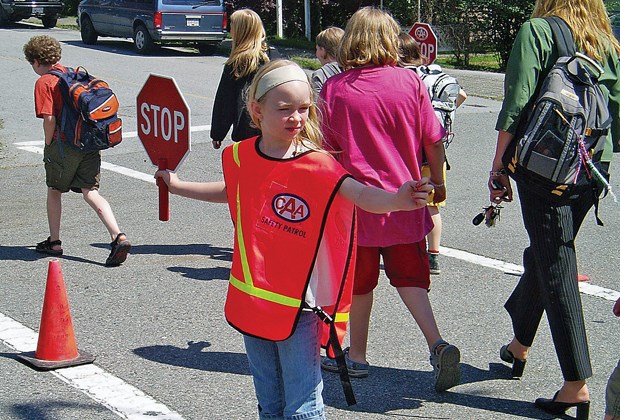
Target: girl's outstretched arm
[[204, 191], [410, 196]]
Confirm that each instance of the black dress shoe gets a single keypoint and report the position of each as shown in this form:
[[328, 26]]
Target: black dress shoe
[[552, 406], [517, 364]]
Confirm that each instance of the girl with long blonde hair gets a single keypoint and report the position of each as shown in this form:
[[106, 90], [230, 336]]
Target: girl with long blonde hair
[[249, 52]]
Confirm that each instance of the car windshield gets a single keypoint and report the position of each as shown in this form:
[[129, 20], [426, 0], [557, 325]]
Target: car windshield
[[193, 2]]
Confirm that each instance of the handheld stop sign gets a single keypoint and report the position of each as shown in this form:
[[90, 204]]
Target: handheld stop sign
[[424, 35], [163, 129]]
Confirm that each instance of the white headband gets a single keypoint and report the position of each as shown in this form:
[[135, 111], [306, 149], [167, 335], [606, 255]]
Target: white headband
[[279, 76]]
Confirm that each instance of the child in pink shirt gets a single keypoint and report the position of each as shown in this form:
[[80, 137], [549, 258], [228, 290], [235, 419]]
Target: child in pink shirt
[[378, 119]]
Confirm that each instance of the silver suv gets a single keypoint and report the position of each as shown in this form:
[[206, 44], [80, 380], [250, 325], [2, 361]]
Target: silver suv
[[197, 23], [15, 10]]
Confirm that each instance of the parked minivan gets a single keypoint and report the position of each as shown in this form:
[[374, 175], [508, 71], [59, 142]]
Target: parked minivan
[[198, 23], [15, 10]]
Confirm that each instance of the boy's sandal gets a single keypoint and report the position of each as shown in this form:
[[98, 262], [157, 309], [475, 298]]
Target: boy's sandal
[[119, 251], [47, 247], [445, 360]]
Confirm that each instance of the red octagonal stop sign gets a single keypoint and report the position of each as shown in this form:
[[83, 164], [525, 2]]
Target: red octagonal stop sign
[[163, 128], [424, 35], [163, 122]]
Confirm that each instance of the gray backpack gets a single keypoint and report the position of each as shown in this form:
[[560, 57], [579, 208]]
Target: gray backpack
[[443, 90], [557, 149]]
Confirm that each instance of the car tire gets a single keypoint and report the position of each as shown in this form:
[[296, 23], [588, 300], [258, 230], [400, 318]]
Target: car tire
[[49, 21], [142, 40], [87, 31], [207, 49]]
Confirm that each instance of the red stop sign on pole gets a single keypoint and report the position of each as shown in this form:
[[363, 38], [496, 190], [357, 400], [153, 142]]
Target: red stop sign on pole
[[163, 129], [424, 35]]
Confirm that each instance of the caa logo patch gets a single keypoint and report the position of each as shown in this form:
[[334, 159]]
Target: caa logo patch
[[290, 207]]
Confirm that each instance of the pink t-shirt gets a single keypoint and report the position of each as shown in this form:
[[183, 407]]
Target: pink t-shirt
[[377, 119]]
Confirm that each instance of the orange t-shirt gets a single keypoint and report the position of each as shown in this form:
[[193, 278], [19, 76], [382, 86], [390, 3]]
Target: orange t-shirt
[[47, 95]]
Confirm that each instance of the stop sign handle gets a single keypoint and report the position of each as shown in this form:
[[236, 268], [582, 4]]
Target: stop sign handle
[[164, 198]]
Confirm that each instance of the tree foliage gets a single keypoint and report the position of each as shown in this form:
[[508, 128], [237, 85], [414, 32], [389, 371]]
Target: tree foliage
[[467, 26], [503, 20]]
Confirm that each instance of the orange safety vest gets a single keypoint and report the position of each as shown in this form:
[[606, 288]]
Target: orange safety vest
[[287, 212]]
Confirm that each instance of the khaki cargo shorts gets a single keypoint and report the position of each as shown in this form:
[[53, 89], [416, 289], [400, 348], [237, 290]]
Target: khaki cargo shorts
[[67, 168]]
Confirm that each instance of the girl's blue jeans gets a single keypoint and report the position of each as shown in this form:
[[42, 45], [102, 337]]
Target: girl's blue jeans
[[287, 374]]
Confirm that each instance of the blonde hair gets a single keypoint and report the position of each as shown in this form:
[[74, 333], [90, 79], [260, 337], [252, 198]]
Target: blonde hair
[[43, 48], [409, 51], [249, 46], [311, 135], [329, 39], [370, 37], [589, 21]]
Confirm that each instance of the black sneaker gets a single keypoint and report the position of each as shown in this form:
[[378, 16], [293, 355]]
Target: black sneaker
[[434, 263]]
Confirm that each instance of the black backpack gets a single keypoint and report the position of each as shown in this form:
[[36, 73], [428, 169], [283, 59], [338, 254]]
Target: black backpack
[[88, 120], [561, 135]]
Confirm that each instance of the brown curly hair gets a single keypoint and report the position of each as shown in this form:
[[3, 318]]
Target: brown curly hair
[[43, 48]]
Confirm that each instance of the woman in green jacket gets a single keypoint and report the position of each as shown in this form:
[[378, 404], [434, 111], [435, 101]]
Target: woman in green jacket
[[549, 283]]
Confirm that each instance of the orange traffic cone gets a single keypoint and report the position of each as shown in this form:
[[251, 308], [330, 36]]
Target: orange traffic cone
[[56, 347]]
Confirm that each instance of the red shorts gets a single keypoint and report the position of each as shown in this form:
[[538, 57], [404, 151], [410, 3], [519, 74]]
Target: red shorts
[[405, 265]]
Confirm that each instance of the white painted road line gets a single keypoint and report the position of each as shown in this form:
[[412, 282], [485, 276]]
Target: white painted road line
[[584, 287], [37, 147], [118, 396], [105, 165], [483, 261], [129, 172]]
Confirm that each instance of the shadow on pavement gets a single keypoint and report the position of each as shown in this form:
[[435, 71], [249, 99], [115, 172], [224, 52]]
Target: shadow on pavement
[[27, 253], [53, 409], [125, 47], [20, 253], [193, 357], [215, 252], [205, 274], [388, 390]]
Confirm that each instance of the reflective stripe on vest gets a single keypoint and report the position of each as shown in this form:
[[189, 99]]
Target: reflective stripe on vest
[[342, 317]]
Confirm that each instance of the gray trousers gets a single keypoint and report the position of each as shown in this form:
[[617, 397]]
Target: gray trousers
[[549, 282]]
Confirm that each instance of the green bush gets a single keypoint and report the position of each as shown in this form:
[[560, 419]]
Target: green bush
[[503, 20]]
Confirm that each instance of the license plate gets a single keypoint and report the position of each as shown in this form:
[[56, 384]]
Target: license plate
[[193, 22], [37, 10]]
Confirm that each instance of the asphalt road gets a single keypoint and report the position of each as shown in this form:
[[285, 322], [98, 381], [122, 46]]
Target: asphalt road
[[163, 348]]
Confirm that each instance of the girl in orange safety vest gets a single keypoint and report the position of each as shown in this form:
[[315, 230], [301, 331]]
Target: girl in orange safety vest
[[292, 207]]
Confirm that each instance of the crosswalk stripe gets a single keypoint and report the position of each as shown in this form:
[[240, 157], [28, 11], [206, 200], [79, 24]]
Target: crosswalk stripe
[[584, 287], [106, 389]]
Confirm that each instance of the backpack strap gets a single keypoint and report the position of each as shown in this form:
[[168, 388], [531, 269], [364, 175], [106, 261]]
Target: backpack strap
[[565, 44], [562, 36], [59, 73]]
